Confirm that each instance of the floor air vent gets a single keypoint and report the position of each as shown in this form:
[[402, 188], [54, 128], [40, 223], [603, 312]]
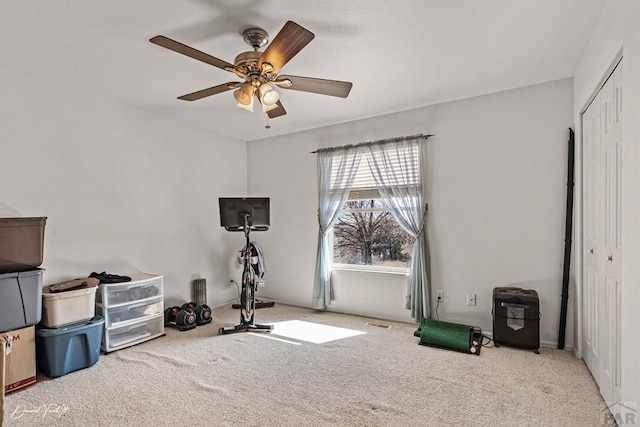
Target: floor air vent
[[378, 325]]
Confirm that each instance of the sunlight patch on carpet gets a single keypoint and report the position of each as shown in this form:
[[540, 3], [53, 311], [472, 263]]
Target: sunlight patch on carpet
[[263, 335], [311, 332]]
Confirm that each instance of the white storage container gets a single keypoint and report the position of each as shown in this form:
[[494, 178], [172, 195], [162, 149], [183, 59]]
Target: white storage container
[[130, 313], [128, 335], [64, 308], [141, 287], [133, 311]]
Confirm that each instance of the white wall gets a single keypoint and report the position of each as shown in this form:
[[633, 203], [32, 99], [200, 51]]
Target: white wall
[[619, 30], [497, 180], [123, 190]]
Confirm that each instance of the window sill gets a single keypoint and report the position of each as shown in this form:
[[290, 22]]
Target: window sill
[[371, 269]]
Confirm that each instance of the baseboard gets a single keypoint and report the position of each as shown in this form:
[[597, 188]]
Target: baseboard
[[545, 344]]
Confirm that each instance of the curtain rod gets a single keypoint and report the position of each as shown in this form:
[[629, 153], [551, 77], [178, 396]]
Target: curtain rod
[[380, 141]]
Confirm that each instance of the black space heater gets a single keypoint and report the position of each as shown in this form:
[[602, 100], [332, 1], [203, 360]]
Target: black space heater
[[516, 318]]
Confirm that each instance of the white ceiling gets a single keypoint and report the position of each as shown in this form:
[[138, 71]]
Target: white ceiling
[[399, 54]]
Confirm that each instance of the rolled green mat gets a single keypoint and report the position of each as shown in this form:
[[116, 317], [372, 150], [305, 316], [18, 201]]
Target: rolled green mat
[[445, 334]]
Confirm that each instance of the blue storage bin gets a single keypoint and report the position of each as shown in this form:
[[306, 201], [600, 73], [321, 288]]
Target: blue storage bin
[[60, 351]]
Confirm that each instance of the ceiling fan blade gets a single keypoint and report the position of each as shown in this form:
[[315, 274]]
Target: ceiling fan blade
[[209, 91], [277, 112], [313, 85], [285, 45], [191, 52]]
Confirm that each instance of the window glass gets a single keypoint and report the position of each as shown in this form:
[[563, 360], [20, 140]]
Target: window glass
[[367, 234]]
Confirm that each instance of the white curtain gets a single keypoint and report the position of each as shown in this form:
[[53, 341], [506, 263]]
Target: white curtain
[[399, 177], [336, 172]]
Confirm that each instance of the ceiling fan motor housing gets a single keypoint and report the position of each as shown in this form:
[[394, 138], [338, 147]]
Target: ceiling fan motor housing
[[247, 59]]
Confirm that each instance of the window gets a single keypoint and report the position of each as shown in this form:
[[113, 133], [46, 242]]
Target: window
[[366, 234]]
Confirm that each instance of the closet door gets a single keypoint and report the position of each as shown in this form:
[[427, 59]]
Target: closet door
[[602, 251], [611, 172], [591, 235]]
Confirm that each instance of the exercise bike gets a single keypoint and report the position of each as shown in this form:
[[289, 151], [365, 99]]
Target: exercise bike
[[246, 215]]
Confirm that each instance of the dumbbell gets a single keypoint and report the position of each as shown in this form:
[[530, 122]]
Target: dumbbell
[[180, 317], [202, 311]]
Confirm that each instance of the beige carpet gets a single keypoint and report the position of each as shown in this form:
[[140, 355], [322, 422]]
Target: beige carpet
[[381, 377]]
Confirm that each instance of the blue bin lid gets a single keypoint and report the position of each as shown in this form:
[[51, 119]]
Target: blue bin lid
[[49, 332]]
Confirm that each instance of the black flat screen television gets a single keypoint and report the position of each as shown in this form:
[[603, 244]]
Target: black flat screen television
[[234, 209]]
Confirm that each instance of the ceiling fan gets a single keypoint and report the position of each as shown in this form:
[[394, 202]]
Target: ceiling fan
[[259, 70]]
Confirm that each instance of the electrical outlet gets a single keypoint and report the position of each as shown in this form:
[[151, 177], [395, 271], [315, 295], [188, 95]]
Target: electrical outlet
[[439, 295], [471, 299]]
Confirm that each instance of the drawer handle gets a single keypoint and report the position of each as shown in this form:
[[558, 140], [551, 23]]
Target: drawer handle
[[137, 305], [142, 285]]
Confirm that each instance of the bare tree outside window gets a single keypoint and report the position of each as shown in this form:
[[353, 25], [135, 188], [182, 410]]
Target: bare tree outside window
[[366, 233]]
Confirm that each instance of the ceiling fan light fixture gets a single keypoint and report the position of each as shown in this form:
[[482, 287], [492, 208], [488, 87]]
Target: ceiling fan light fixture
[[268, 95], [266, 108], [248, 107], [244, 95]]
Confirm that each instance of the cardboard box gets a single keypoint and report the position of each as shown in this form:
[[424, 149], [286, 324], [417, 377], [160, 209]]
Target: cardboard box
[[20, 363]]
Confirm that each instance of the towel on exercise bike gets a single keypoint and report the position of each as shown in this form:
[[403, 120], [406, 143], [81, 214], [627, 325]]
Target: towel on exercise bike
[[255, 251]]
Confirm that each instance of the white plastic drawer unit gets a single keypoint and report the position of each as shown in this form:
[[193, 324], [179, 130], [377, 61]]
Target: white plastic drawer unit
[[125, 336], [141, 287], [128, 313], [133, 311]]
